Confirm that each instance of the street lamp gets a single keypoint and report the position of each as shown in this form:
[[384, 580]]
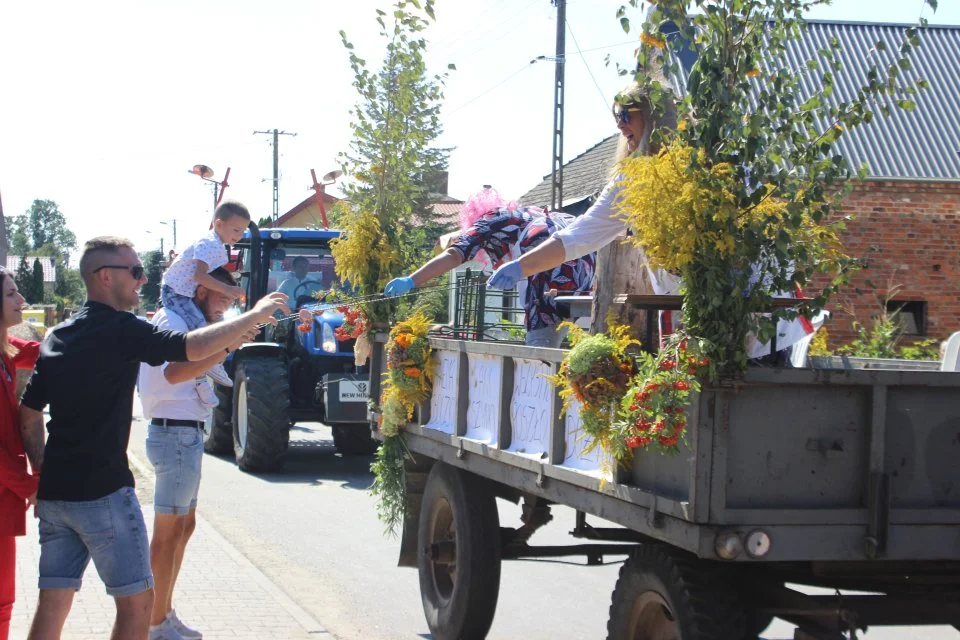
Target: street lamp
[[318, 188], [206, 174], [171, 223]]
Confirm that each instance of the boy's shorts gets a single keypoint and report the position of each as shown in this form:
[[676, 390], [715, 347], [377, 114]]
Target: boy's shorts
[[109, 530]]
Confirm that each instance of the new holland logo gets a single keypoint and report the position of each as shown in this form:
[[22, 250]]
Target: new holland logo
[[354, 391]]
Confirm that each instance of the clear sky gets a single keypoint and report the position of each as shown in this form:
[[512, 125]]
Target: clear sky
[[107, 103]]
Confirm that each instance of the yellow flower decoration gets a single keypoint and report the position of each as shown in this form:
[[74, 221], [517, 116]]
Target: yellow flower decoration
[[652, 41], [753, 73]]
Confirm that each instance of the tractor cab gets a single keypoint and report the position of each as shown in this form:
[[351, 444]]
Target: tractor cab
[[288, 374]]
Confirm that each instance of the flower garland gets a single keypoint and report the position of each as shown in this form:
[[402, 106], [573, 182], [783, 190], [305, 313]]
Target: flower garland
[[407, 383], [653, 412], [596, 372]]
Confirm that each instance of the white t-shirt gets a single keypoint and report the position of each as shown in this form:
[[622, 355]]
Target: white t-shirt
[[181, 401], [179, 276], [291, 284]]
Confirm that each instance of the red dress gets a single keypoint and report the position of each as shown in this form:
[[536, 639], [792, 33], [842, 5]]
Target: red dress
[[16, 484]]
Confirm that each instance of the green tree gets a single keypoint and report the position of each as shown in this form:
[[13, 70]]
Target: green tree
[[48, 231], [392, 156], [23, 275], [68, 286], [757, 148], [18, 242], [150, 292], [36, 284]]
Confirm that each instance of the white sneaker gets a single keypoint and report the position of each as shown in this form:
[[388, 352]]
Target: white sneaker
[[164, 631], [219, 375], [178, 626]]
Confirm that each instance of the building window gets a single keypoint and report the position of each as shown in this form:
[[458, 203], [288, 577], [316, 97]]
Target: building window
[[911, 314]]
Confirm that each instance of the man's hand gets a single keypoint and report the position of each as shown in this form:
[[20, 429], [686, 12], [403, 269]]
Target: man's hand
[[32, 500], [270, 304]]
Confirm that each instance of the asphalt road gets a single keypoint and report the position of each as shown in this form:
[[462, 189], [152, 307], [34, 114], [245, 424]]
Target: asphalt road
[[312, 529]]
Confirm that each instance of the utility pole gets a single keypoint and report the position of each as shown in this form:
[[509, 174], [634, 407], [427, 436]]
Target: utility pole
[[556, 190], [276, 167]]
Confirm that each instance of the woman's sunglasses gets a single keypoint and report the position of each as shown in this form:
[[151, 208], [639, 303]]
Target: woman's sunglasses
[[623, 116], [136, 270]]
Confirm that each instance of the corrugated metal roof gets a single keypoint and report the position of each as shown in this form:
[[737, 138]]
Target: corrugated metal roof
[[922, 145]]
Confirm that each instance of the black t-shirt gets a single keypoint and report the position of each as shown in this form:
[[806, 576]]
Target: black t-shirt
[[86, 372]]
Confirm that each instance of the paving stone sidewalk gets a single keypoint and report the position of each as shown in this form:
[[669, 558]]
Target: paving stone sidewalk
[[219, 592]]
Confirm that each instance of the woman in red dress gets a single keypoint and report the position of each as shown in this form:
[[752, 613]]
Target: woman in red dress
[[18, 488]]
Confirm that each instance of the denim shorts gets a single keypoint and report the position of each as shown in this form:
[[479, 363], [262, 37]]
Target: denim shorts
[[176, 454], [545, 337], [109, 530]]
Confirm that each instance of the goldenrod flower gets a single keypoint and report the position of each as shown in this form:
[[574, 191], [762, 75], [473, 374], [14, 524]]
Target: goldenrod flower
[[652, 41]]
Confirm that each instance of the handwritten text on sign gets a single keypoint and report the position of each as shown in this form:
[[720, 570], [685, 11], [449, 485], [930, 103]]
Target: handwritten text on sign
[[483, 411], [530, 407], [443, 402]]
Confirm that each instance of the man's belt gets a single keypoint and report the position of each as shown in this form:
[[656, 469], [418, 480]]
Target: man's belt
[[176, 422]]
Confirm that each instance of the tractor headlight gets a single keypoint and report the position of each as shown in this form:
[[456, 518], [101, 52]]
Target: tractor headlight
[[329, 343]]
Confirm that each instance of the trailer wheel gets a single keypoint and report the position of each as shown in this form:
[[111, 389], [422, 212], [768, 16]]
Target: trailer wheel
[[664, 594], [354, 439], [459, 554], [218, 434], [261, 413]]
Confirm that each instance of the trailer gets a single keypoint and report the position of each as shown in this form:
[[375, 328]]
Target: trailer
[[840, 478]]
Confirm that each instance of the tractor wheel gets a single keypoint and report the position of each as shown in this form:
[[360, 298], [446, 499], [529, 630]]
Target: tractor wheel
[[218, 434], [261, 413], [663, 593], [458, 554], [354, 439]]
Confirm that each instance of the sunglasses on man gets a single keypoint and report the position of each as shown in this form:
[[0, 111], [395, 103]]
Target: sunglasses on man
[[136, 270]]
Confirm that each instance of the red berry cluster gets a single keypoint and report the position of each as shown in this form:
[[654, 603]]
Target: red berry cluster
[[354, 323], [655, 411]]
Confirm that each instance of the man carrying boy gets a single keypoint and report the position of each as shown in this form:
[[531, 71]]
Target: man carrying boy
[[86, 373], [177, 399], [193, 267]]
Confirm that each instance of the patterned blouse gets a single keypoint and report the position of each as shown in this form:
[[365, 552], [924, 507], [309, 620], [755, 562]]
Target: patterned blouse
[[506, 235]]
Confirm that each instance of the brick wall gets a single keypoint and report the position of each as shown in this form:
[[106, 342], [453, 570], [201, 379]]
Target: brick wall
[[909, 233]]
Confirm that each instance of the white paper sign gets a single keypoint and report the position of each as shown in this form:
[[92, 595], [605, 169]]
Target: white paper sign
[[443, 402], [483, 411], [530, 407], [354, 390], [577, 443]]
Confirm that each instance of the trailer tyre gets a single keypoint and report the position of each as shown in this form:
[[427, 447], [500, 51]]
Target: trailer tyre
[[218, 436], [354, 439], [261, 413], [662, 593], [458, 554]]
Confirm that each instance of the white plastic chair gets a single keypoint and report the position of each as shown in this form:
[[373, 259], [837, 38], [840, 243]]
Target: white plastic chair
[[951, 355]]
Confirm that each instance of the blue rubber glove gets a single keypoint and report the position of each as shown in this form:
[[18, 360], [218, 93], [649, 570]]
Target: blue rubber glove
[[506, 277], [398, 286]]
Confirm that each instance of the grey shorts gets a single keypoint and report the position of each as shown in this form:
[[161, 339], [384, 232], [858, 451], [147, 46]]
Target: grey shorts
[[109, 530], [545, 337], [176, 454]]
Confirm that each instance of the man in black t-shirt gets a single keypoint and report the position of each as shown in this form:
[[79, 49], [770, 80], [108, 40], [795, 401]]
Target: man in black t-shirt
[[86, 373]]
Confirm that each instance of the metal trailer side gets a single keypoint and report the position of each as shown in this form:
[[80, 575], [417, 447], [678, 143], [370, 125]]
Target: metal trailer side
[[839, 478]]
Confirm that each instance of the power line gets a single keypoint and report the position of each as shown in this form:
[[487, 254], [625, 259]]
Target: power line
[[477, 97], [471, 50], [595, 83]]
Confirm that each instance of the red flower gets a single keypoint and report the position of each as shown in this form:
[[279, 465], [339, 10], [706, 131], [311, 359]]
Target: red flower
[[681, 385], [679, 428], [304, 328], [642, 424], [343, 309], [637, 441], [657, 427], [633, 407], [668, 441], [667, 365], [651, 387]]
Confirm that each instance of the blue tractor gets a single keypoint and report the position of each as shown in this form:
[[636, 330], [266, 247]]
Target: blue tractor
[[288, 375]]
